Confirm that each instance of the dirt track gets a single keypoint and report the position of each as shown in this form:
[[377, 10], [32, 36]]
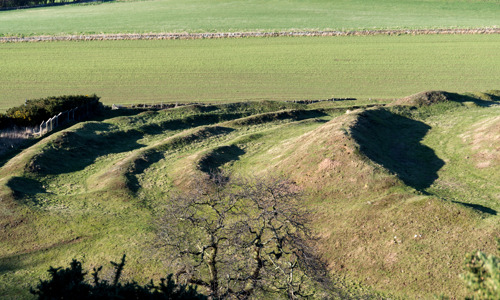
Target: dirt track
[[189, 36]]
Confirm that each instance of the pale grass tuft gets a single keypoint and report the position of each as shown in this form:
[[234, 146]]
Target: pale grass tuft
[[12, 138]]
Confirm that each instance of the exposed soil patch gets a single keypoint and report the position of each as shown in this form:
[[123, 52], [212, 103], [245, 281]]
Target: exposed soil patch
[[328, 165]]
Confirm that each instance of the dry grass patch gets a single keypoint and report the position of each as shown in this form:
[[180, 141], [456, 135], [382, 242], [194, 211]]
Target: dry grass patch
[[484, 140], [11, 139]]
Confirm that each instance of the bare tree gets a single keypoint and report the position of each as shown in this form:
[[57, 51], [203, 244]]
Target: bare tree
[[241, 238]]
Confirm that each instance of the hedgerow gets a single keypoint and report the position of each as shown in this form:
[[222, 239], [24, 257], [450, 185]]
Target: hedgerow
[[34, 112]]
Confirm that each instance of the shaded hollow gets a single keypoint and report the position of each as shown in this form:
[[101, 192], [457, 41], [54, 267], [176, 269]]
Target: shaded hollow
[[394, 142], [212, 161]]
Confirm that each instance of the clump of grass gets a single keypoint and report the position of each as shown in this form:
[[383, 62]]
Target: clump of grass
[[13, 138]]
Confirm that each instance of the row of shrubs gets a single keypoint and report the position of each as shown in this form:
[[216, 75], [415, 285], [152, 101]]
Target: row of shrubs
[[34, 3], [34, 112]]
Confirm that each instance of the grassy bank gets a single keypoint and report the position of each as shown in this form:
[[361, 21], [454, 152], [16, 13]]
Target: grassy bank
[[393, 191], [253, 15], [249, 69]]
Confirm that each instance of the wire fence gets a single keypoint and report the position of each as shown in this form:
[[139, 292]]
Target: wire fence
[[75, 114]]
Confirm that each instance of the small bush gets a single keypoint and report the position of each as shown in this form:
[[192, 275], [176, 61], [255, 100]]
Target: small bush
[[483, 275]]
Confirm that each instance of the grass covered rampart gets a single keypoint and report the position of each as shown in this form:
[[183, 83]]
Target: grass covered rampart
[[387, 224]]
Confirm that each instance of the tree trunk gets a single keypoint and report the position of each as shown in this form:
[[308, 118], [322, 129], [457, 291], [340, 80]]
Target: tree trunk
[[212, 267]]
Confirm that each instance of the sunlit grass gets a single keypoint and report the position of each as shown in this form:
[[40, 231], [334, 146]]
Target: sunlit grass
[[124, 72], [247, 15]]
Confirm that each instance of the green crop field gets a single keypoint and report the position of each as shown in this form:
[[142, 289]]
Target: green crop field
[[285, 68], [248, 15]]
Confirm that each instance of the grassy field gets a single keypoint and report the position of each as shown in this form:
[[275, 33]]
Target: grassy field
[[249, 69], [389, 221], [250, 15]]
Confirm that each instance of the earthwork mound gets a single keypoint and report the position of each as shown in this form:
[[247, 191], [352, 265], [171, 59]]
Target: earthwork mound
[[423, 99]]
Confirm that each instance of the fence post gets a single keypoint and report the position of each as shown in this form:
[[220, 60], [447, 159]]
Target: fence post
[[41, 128]]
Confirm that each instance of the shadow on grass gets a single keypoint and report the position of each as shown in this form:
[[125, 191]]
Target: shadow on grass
[[74, 150], [478, 207], [29, 258], [211, 162], [11, 263], [480, 99], [294, 115], [393, 141], [190, 121], [98, 116], [25, 187], [154, 155], [8, 155]]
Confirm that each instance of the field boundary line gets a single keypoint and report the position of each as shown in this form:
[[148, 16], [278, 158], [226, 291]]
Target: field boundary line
[[222, 35]]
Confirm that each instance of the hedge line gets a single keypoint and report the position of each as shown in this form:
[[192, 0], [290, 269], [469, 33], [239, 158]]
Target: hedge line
[[34, 112]]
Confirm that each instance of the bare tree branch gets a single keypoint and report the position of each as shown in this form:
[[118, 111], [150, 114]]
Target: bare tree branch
[[240, 237]]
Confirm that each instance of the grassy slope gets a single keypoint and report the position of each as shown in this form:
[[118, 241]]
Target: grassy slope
[[249, 69], [118, 171], [374, 227], [248, 15]]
